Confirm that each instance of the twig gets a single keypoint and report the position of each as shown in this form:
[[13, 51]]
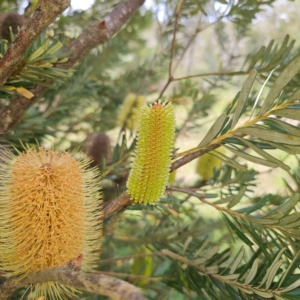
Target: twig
[[100, 32], [114, 288], [45, 14], [116, 204], [133, 276], [95, 34], [177, 15], [221, 73], [124, 199]]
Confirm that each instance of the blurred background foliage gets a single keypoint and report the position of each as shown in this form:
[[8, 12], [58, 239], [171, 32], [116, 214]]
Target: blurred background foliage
[[232, 234]]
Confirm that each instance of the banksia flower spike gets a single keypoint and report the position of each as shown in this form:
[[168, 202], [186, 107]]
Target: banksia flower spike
[[129, 112], [50, 213], [207, 163], [150, 169]]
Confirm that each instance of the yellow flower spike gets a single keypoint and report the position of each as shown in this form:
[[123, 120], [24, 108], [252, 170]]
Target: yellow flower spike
[[207, 163], [149, 173], [50, 211], [129, 112]]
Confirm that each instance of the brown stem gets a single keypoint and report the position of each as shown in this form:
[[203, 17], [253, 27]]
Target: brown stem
[[96, 33], [114, 288], [45, 14], [114, 205]]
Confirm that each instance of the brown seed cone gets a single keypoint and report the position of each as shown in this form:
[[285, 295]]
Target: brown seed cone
[[50, 212], [12, 20], [98, 147]]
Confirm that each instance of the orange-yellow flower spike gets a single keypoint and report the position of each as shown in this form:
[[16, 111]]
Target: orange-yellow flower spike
[[50, 213], [149, 173]]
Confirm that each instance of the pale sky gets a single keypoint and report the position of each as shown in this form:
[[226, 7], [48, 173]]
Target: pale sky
[[85, 4]]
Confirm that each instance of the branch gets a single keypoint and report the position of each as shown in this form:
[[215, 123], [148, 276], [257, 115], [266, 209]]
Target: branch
[[114, 288], [95, 34], [45, 14], [114, 205]]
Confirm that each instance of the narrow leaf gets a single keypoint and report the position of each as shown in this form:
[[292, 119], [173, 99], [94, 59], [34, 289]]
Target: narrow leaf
[[237, 261], [263, 294], [292, 286], [281, 147], [252, 272], [230, 277], [290, 113], [214, 130], [237, 198], [283, 79], [270, 135], [186, 244], [227, 160], [286, 207], [252, 158], [272, 273], [264, 154], [247, 85]]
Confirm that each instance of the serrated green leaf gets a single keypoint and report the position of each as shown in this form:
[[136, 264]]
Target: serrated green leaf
[[269, 135], [282, 80], [214, 130], [247, 85]]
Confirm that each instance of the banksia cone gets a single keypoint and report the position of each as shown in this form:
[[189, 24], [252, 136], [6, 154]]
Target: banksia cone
[[50, 213], [98, 147], [150, 169], [207, 163], [12, 20], [129, 112]]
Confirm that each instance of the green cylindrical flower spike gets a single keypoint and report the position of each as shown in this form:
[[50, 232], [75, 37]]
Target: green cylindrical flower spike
[[50, 212], [150, 169]]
